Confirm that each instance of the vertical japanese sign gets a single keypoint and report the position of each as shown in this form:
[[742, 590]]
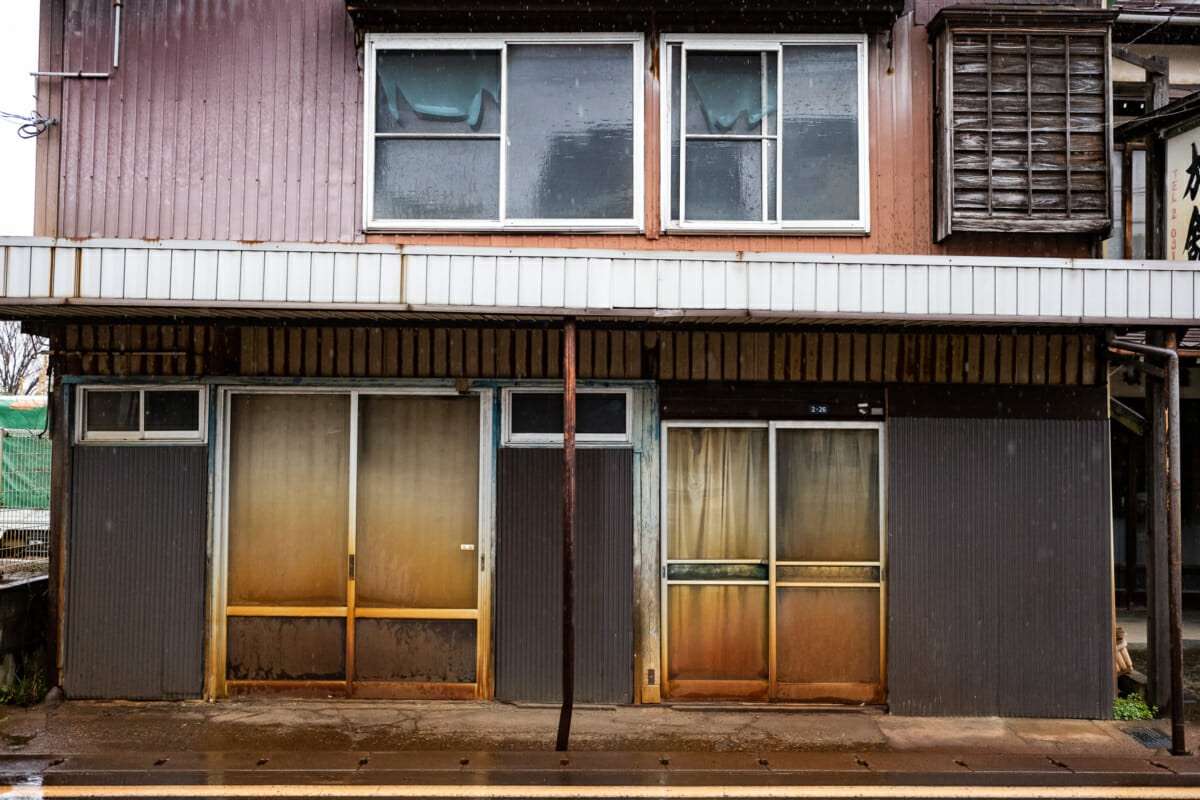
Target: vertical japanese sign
[[1183, 196]]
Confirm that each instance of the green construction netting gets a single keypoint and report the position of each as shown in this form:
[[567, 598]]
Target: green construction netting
[[24, 453]]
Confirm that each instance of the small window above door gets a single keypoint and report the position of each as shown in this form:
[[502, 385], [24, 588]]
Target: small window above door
[[138, 414], [535, 416]]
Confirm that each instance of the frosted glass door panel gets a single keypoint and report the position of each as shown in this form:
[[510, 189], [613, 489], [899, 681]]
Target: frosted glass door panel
[[827, 495], [570, 149], [418, 502], [717, 493], [289, 466]]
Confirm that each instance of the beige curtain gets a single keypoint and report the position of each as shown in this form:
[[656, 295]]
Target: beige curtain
[[418, 502], [717, 493], [289, 462], [827, 495]]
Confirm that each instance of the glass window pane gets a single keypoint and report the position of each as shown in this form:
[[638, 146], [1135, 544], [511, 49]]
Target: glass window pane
[[536, 412], [717, 493], [1114, 246], [111, 411], [717, 632], [437, 91], [289, 499], [542, 412], [726, 93], [570, 131], [827, 635], [1137, 215], [418, 502], [820, 132], [827, 495], [172, 410], [724, 180], [437, 179]]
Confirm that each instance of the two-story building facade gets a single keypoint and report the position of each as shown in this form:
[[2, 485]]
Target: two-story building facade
[[843, 400]]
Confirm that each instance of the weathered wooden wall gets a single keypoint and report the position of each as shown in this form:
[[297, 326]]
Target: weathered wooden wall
[[491, 352], [242, 120]]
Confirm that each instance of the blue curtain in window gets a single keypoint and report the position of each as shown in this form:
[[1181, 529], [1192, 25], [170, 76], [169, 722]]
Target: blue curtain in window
[[730, 87], [440, 88]]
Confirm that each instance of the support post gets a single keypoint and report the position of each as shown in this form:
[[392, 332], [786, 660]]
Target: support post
[[1164, 470], [1157, 590], [568, 564]]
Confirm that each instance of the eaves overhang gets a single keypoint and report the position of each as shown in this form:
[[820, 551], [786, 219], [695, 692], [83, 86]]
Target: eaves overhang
[[83, 279], [623, 15]]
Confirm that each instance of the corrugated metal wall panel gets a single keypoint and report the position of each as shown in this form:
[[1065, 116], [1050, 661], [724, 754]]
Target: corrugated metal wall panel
[[227, 119], [529, 575], [999, 567], [134, 605]]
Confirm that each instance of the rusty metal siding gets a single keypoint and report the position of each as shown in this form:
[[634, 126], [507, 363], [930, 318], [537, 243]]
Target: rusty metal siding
[[529, 575], [999, 567], [134, 605], [227, 119]]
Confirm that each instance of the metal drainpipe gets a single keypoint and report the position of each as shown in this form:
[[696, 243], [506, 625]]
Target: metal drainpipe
[[1174, 526]]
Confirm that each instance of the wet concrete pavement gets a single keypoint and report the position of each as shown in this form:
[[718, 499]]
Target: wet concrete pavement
[[275, 741]]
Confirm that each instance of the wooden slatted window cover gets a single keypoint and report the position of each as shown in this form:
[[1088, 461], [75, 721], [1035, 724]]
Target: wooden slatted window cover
[[1028, 131]]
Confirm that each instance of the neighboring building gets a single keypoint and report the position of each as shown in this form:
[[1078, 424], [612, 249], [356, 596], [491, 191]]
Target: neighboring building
[[843, 413]]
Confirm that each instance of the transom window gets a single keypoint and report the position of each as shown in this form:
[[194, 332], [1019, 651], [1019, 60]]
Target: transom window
[[765, 134], [132, 414], [477, 132]]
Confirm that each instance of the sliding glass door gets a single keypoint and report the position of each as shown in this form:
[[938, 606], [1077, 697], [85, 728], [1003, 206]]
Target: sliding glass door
[[773, 553], [353, 542]]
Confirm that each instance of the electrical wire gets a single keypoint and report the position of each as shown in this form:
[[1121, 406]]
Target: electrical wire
[[28, 125]]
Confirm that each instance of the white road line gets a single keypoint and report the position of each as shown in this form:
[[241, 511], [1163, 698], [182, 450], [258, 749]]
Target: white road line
[[443, 792]]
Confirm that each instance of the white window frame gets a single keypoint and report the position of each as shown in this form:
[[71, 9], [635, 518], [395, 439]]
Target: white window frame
[[556, 439], [740, 43], [377, 42], [196, 436]]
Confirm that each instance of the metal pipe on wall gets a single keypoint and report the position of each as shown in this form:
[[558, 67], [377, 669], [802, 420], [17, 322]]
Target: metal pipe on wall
[[568, 564], [116, 59], [1174, 522]]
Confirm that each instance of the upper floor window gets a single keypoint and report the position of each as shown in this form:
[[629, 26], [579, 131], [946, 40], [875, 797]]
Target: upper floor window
[[765, 134], [516, 132]]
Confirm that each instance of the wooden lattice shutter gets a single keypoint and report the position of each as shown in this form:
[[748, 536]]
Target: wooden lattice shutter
[[1024, 121]]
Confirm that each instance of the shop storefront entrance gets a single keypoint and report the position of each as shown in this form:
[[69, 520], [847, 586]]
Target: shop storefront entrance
[[353, 540], [773, 555]]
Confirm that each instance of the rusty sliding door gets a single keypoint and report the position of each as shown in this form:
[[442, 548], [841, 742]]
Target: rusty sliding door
[[287, 531], [773, 561], [416, 577], [354, 533], [827, 562]]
